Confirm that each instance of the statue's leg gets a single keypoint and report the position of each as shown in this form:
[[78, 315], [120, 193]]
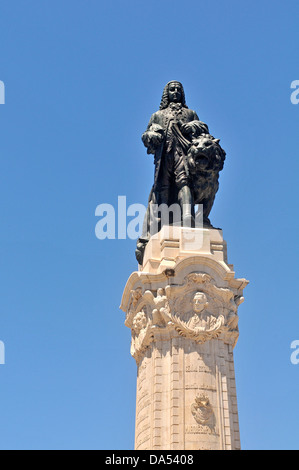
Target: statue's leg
[[185, 197], [164, 182], [187, 206], [145, 236], [162, 193], [207, 207]]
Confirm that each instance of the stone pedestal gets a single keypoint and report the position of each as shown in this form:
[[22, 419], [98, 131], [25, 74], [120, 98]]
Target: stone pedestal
[[181, 307]]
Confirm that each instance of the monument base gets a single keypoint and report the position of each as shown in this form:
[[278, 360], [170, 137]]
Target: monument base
[[182, 307]]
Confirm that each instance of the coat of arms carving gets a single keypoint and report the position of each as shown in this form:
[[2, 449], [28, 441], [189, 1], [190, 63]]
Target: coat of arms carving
[[202, 410]]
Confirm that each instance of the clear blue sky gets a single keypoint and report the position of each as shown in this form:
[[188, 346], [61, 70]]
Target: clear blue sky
[[81, 80]]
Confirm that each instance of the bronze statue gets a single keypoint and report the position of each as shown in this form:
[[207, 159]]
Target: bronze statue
[[187, 161]]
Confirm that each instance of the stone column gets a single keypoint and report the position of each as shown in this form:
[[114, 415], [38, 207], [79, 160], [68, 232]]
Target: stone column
[[182, 307]]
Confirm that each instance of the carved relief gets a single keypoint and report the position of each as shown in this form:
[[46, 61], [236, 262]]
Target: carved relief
[[202, 409], [200, 310], [196, 309], [202, 320], [139, 322], [158, 304], [141, 332], [144, 315]]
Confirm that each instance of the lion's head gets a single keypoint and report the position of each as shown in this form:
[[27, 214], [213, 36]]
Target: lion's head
[[205, 154]]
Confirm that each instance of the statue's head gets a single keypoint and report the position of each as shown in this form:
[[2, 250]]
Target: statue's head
[[200, 302], [160, 292], [173, 93], [139, 321]]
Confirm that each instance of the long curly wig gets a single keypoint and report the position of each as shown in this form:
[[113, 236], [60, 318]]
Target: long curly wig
[[165, 97]]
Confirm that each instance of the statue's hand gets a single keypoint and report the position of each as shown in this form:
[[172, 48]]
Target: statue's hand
[[186, 128], [195, 128], [152, 138]]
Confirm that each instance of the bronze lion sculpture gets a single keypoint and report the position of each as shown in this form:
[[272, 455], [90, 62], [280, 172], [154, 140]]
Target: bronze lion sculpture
[[205, 160]]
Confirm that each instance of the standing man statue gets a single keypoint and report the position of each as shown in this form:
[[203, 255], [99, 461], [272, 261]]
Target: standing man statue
[[185, 155]]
